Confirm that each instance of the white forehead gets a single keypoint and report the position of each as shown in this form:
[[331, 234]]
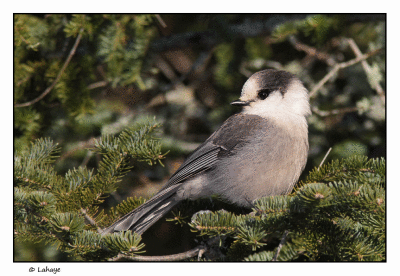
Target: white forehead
[[249, 90], [250, 84]]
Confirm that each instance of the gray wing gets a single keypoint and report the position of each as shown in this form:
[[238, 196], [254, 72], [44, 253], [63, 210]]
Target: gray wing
[[230, 135], [218, 146]]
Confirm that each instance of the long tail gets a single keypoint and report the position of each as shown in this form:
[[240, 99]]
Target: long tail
[[140, 219]]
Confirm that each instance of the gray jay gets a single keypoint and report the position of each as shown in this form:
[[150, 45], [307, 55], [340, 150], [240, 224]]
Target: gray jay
[[256, 153]]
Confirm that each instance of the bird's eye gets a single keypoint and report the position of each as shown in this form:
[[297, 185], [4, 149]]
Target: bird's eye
[[264, 93]]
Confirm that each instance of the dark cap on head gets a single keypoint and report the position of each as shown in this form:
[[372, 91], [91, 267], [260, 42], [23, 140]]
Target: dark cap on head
[[273, 79]]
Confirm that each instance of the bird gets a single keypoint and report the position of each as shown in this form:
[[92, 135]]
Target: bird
[[258, 152]]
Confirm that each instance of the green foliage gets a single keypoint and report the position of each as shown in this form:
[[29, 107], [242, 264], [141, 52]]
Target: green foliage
[[215, 223], [67, 223], [264, 256], [287, 253], [28, 121], [42, 46], [122, 51], [135, 141], [318, 27], [352, 168], [337, 214], [256, 49], [251, 233], [32, 168], [30, 32], [53, 208], [225, 55], [87, 245], [125, 207], [77, 24], [43, 151], [126, 242]]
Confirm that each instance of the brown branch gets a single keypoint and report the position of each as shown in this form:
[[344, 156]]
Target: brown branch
[[166, 258], [198, 251], [340, 66], [201, 61], [311, 51], [161, 21], [85, 161], [278, 250], [24, 80], [366, 68], [97, 85], [48, 89], [323, 160], [80, 145], [90, 220]]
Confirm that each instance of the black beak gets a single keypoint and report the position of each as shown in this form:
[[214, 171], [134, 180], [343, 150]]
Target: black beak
[[240, 103]]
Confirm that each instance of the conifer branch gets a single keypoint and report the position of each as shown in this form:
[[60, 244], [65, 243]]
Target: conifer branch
[[323, 160], [67, 61], [340, 66], [89, 143], [312, 51], [367, 68], [161, 21], [278, 250], [90, 220], [166, 258], [97, 85]]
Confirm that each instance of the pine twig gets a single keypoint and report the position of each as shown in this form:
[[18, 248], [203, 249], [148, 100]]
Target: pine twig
[[161, 21], [311, 51], [366, 68], [340, 66], [67, 61], [323, 160], [203, 58], [278, 250], [90, 220], [97, 85], [166, 258], [198, 251]]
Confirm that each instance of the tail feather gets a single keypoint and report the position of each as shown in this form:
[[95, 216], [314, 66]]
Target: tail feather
[[140, 219]]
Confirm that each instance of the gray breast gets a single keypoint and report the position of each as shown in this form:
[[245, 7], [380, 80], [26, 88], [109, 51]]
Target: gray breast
[[267, 160]]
